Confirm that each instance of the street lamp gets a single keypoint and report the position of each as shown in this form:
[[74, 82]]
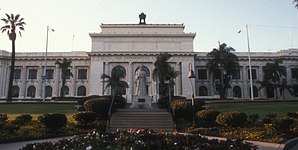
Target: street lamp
[[249, 64], [191, 75], [44, 77]]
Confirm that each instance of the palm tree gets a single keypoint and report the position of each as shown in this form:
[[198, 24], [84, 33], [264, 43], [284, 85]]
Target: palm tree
[[162, 70], [274, 75], [115, 82], [296, 3], [65, 72], [12, 22], [222, 65]]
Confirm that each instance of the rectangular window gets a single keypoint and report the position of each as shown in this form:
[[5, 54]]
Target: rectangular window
[[202, 74], [67, 74], [236, 74], [253, 72], [82, 74], [294, 73], [32, 74], [50, 73], [17, 74]]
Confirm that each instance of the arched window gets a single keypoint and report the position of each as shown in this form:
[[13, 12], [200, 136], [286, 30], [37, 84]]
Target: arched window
[[203, 91], [81, 91], [15, 91], [237, 92], [49, 90], [120, 90], [31, 91], [119, 68], [64, 91], [270, 92]]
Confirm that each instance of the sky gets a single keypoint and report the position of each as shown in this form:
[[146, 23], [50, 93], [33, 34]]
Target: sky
[[272, 24]]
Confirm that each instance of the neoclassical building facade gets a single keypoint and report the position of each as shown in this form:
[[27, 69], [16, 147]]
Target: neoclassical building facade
[[127, 47]]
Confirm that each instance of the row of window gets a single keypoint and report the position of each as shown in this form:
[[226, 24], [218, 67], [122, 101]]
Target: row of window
[[203, 91], [32, 74], [202, 74], [31, 91]]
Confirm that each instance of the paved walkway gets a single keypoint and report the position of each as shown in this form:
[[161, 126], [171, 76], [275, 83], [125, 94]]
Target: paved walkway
[[261, 145]]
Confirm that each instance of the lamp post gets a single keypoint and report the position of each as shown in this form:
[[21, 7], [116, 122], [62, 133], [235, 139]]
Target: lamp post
[[44, 77], [249, 64], [190, 76]]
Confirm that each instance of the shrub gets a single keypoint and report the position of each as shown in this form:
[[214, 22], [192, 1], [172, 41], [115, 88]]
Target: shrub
[[207, 117], [22, 119], [120, 102], [53, 120], [183, 108], [292, 114], [284, 124], [253, 118], [3, 117], [85, 117], [271, 115], [100, 106], [233, 119]]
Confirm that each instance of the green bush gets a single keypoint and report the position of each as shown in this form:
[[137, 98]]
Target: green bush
[[279, 126], [207, 117], [99, 105], [183, 108], [119, 102], [22, 119], [292, 114], [53, 120], [231, 119], [3, 117], [85, 117]]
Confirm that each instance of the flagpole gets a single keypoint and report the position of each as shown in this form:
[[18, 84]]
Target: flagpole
[[249, 64]]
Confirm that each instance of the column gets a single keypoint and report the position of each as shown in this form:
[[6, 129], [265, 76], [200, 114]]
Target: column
[[39, 82], [23, 82], [72, 88], [130, 80], [245, 83], [56, 79]]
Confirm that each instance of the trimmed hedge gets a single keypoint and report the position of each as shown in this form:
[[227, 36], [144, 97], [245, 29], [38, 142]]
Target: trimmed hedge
[[53, 120], [183, 107], [22, 119], [232, 119], [100, 106], [207, 117], [3, 117], [85, 117]]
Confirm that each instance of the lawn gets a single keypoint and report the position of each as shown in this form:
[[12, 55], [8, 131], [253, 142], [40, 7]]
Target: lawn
[[261, 108], [36, 109]]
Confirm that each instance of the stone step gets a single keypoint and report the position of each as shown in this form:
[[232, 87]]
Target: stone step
[[155, 119]]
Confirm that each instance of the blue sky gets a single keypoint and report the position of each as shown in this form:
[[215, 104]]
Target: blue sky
[[273, 24]]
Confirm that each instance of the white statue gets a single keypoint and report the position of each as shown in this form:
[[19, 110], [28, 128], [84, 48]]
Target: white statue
[[141, 76]]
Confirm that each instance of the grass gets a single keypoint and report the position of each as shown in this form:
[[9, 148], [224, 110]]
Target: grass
[[13, 110], [261, 108]]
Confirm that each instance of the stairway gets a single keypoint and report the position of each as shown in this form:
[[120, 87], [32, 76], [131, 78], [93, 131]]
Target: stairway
[[154, 119]]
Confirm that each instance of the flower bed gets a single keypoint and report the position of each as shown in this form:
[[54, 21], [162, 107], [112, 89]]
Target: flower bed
[[141, 139]]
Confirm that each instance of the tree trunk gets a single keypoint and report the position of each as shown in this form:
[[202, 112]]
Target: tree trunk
[[10, 84]]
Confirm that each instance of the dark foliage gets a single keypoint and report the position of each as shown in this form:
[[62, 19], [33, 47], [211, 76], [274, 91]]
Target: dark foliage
[[53, 121]]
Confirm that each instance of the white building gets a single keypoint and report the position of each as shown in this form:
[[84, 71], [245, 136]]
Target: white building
[[128, 46]]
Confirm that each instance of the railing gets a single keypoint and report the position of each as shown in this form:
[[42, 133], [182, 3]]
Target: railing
[[172, 112], [110, 113]]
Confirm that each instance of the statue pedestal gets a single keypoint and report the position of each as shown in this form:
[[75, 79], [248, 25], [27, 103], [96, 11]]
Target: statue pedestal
[[141, 102]]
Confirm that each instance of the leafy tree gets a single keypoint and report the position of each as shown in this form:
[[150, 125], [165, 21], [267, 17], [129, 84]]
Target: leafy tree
[[13, 22], [65, 72], [274, 76], [222, 64], [115, 82]]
